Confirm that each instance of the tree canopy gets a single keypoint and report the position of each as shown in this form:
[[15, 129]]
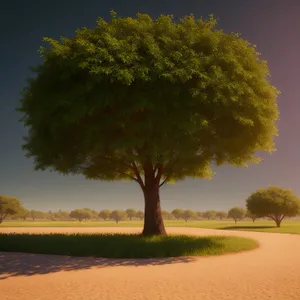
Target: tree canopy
[[104, 214], [177, 213], [131, 213], [118, 215], [210, 214], [151, 101], [273, 202], [9, 206], [188, 214], [81, 214], [237, 213], [221, 214]]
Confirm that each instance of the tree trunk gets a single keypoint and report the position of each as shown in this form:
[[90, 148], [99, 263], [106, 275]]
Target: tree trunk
[[253, 220], [153, 222], [235, 221], [117, 221]]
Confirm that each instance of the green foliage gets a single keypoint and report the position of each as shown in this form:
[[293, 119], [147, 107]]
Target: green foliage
[[137, 91], [237, 213], [275, 203], [221, 214], [61, 216], [210, 214], [167, 215], [36, 214], [118, 215], [252, 216], [22, 214], [140, 214], [188, 214], [104, 214], [123, 246], [81, 214], [9, 206], [177, 213], [131, 213]]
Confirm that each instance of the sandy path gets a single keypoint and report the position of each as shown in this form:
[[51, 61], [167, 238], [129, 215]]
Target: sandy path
[[270, 272]]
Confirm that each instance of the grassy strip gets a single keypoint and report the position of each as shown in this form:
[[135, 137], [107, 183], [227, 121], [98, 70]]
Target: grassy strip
[[124, 245], [287, 226]]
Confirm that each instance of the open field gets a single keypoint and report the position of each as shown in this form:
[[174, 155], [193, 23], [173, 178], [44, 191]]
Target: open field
[[287, 226], [271, 271]]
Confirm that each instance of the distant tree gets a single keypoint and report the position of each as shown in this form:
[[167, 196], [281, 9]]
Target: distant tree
[[221, 214], [104, 214], [9, 206], [166, 215], [94, 214], [210, 214], [177, 213], [37, 214], [22, 214], [118, 215], [273, 202], [253, 217], [80, 214], [62, 215], [188, 214], [131, 213], [152, 101], [199, 214], [237, 213], [140, 215]]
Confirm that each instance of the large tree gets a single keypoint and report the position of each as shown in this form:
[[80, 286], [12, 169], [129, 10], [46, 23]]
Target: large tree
[[275, 203], [9, 206], [152, 101]]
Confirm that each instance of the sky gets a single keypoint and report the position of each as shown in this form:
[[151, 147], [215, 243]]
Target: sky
[[272, 25]]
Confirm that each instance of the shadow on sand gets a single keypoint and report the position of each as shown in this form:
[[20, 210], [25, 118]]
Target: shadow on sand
[[25, 264]]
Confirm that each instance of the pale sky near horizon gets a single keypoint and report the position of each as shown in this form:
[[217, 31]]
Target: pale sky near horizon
[[273, 25]]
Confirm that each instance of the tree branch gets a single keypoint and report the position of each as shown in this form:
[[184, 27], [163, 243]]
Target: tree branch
[[165, 180], [138, 175], [125, 174]]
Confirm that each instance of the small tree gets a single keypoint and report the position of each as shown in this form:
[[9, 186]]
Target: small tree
[[140, 215], [80, 214], [166, 215], [9, 206], [22, 214], [188, 214], [131, 213], [37, 214], [210, 214], [199, 214], [177, 213], [275, 203], [253, 217], [221, 214], [237, 213], [104, 214], [118, 215]]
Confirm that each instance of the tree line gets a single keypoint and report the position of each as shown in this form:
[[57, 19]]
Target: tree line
[[274, 203]]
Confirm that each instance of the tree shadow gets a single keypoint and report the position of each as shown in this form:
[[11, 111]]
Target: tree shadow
[[25, 264], [245, 227]]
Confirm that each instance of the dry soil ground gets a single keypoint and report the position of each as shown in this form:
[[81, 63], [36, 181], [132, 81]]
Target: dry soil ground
[[270, 272]]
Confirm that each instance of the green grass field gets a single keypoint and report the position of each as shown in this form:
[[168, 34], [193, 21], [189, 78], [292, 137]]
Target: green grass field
[[124, 245], [287, 226]]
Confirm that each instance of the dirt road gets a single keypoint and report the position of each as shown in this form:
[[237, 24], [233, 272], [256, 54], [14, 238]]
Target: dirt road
[[270, 272]]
